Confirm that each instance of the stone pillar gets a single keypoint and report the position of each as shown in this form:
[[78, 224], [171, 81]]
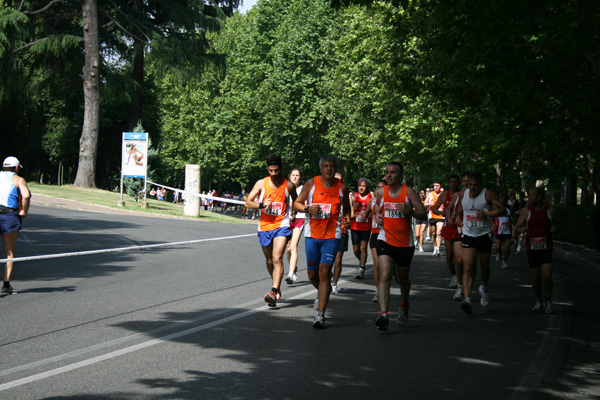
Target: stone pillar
[[192, 184]]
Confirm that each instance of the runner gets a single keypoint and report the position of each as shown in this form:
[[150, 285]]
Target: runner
[[476, 206], [375, 229], [420, 224], [542, 222], [449, 231], [273, 194], [360, 224], [502, 229], [297, 226], [436, 221], [337, 264], [395, 244], [328, 207], [14, 206], [457, 249], [518, 207]]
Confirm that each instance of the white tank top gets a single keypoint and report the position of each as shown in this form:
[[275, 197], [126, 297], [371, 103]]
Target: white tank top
[[473, 225]]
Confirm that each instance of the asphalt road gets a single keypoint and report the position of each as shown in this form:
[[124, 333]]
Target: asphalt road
[[189, 322]]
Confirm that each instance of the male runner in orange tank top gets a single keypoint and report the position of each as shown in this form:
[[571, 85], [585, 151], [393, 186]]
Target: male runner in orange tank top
[[273, 194], [395, 245], [328, 208]]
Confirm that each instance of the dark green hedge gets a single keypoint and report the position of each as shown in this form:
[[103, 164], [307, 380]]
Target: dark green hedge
[[581, 225]]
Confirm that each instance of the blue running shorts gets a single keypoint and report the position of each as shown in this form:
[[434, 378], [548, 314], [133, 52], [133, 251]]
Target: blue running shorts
[[320, 251], [266, 237]]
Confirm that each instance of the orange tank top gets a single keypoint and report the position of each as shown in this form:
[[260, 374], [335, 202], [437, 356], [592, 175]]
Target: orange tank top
[[274, 216], [434, 199], [397, 227], [327, 223]]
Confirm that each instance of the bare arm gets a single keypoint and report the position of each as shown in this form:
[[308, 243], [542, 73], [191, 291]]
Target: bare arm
[[251, 202], [498, 209], [520, 226], [299, 204], [419, 208], [436, 207], [25, 194]]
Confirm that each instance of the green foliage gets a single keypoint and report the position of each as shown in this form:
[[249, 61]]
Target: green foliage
[[581, 225], [133, 187]]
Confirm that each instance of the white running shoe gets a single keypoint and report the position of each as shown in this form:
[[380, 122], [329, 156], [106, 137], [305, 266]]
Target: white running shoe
[[504, 265], [360, 274], [458, 293], [420, 249], [497, 257], [549, 309], [518, 250], [291, 278], [453, 281], [319, 322], [335, 289], [316, 304], [485, 299], [537, 307]]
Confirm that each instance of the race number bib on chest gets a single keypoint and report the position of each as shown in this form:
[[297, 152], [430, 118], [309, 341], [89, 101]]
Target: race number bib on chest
[[360, 216], [393, 210], [324, 212], [275, 209], [473, 221], [538, 243], [505, 227]]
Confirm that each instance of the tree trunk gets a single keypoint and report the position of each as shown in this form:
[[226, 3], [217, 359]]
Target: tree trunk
[[135, 113], [88, 143], [570, 198]]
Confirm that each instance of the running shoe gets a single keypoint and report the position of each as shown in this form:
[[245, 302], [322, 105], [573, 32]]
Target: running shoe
[[335, 289], [403, 313], [537, 307], [504, 265], [319, 322], [466, 306], [549, 307], [435, 251], [8, 290], [485, 299], [278, 297], [420, 249], [518, 250], [382, 322], [458, 293], [291, 278], [316, 304], [271, 299], [375, 298], [453, 281], [497, 257], [360, 274]]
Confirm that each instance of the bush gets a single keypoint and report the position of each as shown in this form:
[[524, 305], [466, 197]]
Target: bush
[[581, 225]]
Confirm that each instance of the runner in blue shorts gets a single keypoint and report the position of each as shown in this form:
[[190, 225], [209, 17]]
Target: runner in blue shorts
[[14, 205]]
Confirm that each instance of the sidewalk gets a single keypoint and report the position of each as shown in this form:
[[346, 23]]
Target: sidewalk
[[583, 254]]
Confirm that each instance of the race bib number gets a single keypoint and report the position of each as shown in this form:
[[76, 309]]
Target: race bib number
[[505, 227], [538, 243], [275, 209], [393, 210], [360, 217], [460, 230], [473, 221], [324, 212]]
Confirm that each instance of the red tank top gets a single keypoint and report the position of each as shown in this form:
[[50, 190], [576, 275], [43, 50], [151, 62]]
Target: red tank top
[[361, 223], [538, 235]]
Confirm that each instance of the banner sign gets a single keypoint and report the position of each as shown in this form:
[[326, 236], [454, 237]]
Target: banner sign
[[134, 156]]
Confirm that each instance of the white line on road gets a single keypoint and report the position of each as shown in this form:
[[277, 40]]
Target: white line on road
[[126, 350], [120, 249]]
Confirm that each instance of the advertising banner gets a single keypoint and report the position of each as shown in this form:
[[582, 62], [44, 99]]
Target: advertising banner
[[134, 156]]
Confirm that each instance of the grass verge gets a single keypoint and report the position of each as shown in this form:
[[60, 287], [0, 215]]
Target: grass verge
[[110, 199]]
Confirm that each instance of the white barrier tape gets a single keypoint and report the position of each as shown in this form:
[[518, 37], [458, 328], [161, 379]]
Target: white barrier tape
[[119, 249], [222, 199]]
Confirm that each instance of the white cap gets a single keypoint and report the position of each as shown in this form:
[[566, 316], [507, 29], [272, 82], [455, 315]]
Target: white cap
[[11, 162]]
